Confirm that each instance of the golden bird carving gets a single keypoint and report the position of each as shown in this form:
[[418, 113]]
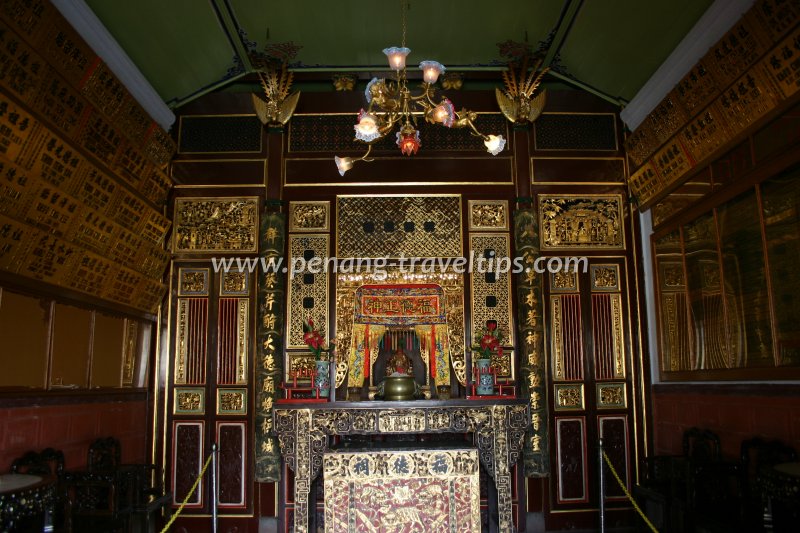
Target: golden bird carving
[[517, 102], [279, 104]]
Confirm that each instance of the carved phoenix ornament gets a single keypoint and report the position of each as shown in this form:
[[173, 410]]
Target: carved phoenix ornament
[[518, 102]]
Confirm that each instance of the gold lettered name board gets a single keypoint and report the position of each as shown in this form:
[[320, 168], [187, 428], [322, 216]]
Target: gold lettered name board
[[70, 224], [51, 69], [33, 85], [533, 372], [750, 72], [422, 490], [40, 255], [89, 252]]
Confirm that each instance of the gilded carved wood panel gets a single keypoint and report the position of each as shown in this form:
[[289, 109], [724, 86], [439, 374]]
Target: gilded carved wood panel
[[399, 225], [591, 221], [491, 292], [488, 215], [453, 286], [309, 216], [308, 290], [216, 225]]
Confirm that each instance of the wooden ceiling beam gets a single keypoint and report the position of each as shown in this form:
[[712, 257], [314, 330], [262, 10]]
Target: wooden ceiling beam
[[565, 21], [226, 18]]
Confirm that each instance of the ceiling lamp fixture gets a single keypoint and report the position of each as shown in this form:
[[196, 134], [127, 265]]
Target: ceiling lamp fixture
[[272, 67], [391, 103], [518, 103]]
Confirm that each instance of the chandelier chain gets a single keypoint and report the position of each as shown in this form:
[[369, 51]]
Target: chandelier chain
[[403, 9]]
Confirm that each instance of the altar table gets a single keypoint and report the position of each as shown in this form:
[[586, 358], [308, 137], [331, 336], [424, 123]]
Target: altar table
[[780, 485], [498, 428]]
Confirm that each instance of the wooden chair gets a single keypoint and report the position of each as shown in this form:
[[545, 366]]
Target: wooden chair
[[683, 492], [662, 491], [144, 495], [97, 495], [757, 454], [105, 455], [713, 489]]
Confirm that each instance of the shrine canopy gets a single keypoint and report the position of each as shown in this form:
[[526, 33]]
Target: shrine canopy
[[382, 312], [400, 305]]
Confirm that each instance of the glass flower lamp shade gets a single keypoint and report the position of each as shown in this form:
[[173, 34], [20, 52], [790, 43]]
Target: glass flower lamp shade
[[431, 70], [494, 144], [367, 127], [408, 140], [343, 164], [397, 57], [444, 113]]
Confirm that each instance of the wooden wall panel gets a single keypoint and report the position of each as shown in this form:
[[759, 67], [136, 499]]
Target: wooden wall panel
[[734, 412], [603, 333], [578, 171], [187, 462], [227, 340], [109, 333], [24, 339], [71, 344], [614, 432], [420, 171], [572, 479], [72, 427], [567, 347], [232, 463]]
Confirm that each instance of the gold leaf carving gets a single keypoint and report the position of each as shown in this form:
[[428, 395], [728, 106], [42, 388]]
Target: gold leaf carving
[[564, 281], [488, 214], [604, 277], [234, 283], [308, 216], [231, 401], [575, 221], [216, 224], [189, 401], [388, 226], [570, 397]]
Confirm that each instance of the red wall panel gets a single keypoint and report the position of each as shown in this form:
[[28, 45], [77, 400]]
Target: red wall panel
[[734, 413], [71, 428]]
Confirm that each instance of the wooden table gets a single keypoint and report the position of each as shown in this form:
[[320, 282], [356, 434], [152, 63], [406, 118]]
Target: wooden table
[[22, 496], [781, 485], [498, 428]]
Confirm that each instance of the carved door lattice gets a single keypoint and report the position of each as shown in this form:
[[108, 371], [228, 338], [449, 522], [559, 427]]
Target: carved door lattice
[[590, 380], [208, 393]]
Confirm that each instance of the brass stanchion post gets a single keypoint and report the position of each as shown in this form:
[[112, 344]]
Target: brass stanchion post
[[214, 487], [602, 488]]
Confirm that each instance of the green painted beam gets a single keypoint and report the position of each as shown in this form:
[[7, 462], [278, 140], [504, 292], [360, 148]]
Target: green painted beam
[[233, 33], [616, 100], [205, 90], [571, 10]]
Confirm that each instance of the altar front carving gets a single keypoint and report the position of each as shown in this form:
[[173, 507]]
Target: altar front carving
[[424, 490], [498, 429]]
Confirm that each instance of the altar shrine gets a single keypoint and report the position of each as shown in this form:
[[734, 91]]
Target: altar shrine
[[406, 316], [497, 428]]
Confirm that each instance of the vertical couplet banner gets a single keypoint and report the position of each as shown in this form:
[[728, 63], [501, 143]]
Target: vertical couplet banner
[[269, 339]]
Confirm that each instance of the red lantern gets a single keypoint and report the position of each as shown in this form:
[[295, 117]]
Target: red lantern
[[408, 141]]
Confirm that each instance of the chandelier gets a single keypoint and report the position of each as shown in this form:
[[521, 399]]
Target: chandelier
[[391, 103]]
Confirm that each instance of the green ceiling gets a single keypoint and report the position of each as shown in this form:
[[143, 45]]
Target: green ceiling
[[186, 47]]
